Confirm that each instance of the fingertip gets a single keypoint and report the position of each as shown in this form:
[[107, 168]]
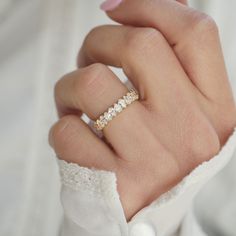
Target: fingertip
[[110, 5], [185, 2]]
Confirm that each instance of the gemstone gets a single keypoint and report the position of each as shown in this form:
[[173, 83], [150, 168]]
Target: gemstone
[[107, 116], [122, 103], [118, 107], [112, 111], [98, 125], [103, 120], [128, 99]]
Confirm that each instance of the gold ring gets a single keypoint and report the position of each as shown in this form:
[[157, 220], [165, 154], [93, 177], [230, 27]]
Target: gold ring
[[117, 108]]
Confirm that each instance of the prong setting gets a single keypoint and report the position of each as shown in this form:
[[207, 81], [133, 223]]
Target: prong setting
[[117, 108]]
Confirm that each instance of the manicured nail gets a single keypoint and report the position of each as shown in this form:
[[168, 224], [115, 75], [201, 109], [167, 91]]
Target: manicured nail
[[109, 5]]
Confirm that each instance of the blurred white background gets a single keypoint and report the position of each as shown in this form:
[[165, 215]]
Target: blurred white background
[[39, 40]]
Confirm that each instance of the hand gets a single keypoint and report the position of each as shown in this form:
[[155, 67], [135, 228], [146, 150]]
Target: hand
[[172, 55]]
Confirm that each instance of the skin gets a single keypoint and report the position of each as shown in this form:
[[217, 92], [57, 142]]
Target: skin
[[172, 55]]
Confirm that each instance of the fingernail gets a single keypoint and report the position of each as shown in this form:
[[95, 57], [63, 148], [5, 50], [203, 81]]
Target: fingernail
[[109, 5]]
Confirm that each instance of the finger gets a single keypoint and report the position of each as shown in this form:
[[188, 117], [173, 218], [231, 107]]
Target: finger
[[183, 2], [143, 53], [92, 90], [193, 35], [89, 90], [73, 141]]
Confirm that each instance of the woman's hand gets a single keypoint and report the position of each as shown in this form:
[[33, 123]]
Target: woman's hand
[[172, 55]]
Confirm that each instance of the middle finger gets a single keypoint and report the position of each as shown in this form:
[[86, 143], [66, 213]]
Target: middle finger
[[92, 90], [143, 54]]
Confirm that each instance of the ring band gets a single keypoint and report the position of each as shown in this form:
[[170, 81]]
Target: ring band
[[118, 107]]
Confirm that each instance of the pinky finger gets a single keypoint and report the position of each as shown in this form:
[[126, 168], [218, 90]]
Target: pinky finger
[[74, 142]]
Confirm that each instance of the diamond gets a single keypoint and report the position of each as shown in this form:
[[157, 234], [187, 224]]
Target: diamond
[[122, 103], [112, 111], [103, 120], [118, 108], [128, 99], [107, 116], [98, 125]]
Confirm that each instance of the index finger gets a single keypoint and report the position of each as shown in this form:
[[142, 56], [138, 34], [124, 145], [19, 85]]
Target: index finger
[[193, 36]]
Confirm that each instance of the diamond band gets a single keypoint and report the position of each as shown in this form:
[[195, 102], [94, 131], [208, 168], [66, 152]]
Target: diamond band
[[118, 107]]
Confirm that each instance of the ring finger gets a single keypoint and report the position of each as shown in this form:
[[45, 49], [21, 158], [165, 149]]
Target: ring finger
[[92, 90], [143, 54]]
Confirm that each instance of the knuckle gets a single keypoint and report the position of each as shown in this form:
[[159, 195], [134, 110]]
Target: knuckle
[[92, 35], [61, 133], [57, 87], [89, 36], [204, 25], [226, 122], [94, 30], [142, 40], [208, 147], [204, 141], [89, 80]]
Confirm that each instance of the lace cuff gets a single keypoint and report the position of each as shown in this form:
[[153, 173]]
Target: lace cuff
[[89, 191], [94, 182]]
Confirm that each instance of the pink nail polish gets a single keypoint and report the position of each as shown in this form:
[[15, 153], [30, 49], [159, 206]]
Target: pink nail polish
[[109, 5]]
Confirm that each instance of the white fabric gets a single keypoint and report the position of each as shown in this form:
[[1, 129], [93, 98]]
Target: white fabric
[[39, 40], [87, 193]]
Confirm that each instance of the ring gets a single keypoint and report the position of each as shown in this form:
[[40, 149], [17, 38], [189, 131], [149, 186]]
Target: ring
[[117, 108]]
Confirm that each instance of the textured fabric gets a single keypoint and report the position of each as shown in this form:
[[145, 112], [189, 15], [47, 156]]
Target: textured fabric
[[90, 192]]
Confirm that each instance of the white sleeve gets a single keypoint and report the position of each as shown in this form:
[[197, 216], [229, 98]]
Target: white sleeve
[[92, 206]]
